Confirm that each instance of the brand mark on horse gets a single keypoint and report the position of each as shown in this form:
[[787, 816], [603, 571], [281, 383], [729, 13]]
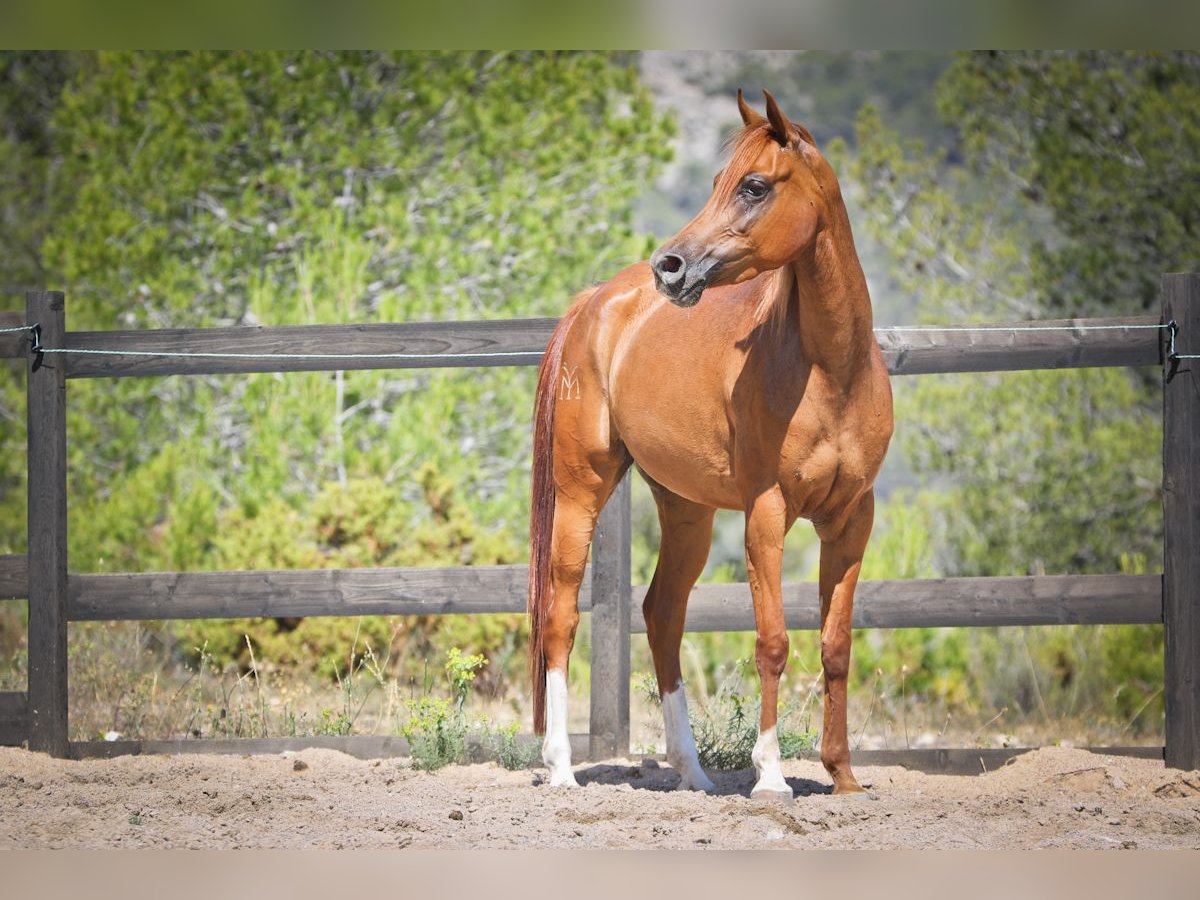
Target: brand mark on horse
[[570, 382]]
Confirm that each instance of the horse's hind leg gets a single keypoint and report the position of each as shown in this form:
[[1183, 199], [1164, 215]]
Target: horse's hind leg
[[686, 537], [575, 515]]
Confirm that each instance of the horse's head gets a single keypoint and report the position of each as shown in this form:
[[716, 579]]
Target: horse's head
[[766, 209]]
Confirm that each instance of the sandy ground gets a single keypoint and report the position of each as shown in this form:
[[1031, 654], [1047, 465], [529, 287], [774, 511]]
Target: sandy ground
[[1053, 797]]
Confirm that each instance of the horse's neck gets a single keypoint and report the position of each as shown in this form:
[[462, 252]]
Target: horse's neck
[[832, 306]]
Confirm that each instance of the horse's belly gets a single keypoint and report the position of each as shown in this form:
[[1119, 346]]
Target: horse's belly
[[682, 446]]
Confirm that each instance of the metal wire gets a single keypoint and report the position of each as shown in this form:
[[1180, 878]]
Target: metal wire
[[200, 355], [1014, 327], [1171, 327]]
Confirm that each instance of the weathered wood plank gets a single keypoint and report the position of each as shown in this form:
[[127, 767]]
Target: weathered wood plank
[[365, 746], [946, 761], [1022, 600], [313, 592], [947, 602], [1000, 348], [13, 344], [14, 577], [47, 523], [983, 349], [361, 746], [439, 343], [14, 718], [969, 761], [1181, 524], [611, 612]]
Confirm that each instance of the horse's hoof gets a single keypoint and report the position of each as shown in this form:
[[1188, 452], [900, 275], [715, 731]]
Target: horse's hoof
[[771, 796], [564, 780], [849, 790], [699, 782]]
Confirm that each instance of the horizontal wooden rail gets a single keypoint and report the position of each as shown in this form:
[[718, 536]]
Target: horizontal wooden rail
[[440, 344], [970, 760], [14, 577], [361, 746], [1009, 347], [986, 348], [944, 761], [14, 718], [948, 602], [1022, 600], [13, 344], [310, 592]]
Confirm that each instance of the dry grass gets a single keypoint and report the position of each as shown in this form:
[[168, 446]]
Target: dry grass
[[128, 679]]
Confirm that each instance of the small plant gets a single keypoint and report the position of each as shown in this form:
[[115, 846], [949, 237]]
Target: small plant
[[645, 684], [726, 729], [436, 730], [135, 819], [436, 733], [332, 722], [509, 751], [796, 743], [461, 670]]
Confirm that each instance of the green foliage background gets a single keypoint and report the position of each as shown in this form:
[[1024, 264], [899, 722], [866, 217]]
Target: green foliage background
[[1072, 188], [1001, 187], [197, 189]]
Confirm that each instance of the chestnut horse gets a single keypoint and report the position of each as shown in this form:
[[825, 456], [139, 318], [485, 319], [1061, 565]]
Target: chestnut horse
[[758, 387]]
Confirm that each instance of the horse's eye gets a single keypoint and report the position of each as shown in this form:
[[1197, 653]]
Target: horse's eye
[[754, 188]]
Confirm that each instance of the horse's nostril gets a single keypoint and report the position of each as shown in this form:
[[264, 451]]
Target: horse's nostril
[[669, 269]]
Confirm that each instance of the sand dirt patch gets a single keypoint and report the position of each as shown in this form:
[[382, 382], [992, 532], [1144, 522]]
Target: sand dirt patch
[[1053, 797]]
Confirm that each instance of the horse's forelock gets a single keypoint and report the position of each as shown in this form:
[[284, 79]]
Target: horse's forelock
[[743, 148]]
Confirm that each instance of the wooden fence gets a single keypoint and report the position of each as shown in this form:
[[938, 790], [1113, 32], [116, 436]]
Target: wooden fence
[[56, 596]]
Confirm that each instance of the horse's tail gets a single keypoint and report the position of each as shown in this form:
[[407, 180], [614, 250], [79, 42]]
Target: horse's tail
[[541, 510]]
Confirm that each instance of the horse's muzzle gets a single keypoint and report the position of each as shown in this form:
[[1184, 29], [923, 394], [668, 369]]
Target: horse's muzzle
[[678, 281]]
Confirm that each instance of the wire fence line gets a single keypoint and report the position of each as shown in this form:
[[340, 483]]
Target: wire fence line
[[36, 347], [183, 354], [942, 328]]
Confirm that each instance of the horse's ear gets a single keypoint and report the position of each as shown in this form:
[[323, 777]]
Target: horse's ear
[[782, 127], [749, 116]]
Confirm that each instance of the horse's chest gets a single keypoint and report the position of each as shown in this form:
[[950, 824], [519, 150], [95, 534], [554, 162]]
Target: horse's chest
[[825, 460], [816, 473]]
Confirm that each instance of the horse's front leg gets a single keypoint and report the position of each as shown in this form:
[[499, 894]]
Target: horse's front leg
[[766, 525], [841, 560]]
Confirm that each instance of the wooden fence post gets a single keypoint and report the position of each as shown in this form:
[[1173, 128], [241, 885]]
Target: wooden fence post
[[1181, 522], [611, 599], [47, 523]]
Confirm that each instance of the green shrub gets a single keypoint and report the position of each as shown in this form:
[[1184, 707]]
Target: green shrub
[[509, 750], [436, 733]]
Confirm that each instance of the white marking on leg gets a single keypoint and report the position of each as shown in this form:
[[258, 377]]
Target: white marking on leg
[[765, 757], [556, 748], [681, 745]]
